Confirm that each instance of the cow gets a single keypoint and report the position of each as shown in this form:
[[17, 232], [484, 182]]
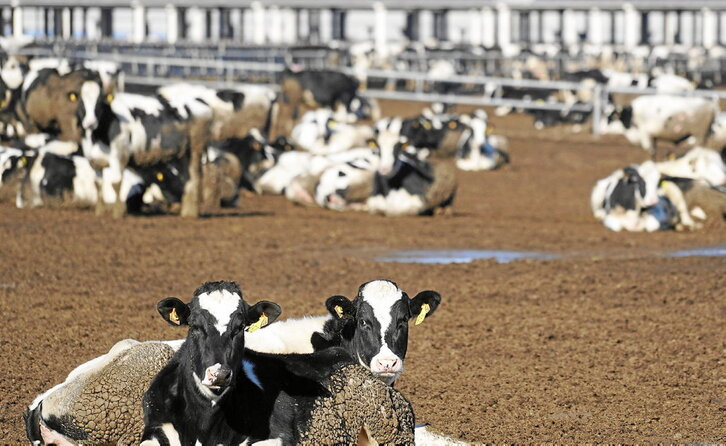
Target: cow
[[372, 328], [412, 187], [238, 163], [661, 117], [214, 391], [144, 130], [235, 111], [698, 164], [319, 133], [481, 150], [636, 199], [325, 88]]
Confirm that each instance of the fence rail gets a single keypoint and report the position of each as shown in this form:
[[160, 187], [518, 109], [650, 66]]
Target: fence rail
[[149, 71]]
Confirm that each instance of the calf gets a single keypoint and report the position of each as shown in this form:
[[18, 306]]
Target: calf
[[213, 391], [481, 150], [372, 328], [659, 117]]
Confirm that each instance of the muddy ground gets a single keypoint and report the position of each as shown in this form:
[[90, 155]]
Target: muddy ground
[[613, 342]]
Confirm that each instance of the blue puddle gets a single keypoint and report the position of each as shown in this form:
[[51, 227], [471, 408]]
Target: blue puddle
[[713, 251], [446, 256]]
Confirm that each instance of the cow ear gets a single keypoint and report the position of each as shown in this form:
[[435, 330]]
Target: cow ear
[[340, 307], [424, 304], [174, 311], [262, 314]]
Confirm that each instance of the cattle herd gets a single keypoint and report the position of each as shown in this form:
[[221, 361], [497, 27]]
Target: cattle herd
[[72, 134]]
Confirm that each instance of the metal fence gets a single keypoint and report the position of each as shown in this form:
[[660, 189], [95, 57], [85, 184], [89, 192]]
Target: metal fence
[[149, 71]]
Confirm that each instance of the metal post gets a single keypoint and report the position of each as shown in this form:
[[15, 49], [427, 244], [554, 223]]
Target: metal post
[[139, 25], [258, 23], [710, 28], [594, 27], [18, 21], [488, 27], [597, 106], [380, 32], [172, 24]]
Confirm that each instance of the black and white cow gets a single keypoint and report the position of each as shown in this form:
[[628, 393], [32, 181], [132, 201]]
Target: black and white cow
[[662, 117], [143, 130], [325, 88], [214, 391], [372, 328]]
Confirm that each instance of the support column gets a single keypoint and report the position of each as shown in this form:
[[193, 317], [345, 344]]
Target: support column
[[197, 19], [289, 27], [380, 30], [138, 33], [275, 34], [93, 24], [569, 27], [2, 21], [258, 23], [107, 22], [172, 24], [474, 28], [18, 30], [630, 25], [710, 28], [488, 27], [671, 28], [67, 23], [504, 25], [594, 27]]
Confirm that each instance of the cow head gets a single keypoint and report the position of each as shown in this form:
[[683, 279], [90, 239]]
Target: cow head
[[634, 188], [91, 101], [13, 163], [217, 317], [375, 324], [13, 71]]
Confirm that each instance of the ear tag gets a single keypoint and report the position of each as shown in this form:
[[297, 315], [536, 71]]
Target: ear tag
[[73, 97], [452, 125], [489, 130], [23, 161], [338, 310], [109, 97], [332, 124], [261, 322], [174, 317], [372, 144], [159, 176], [427, 125], [425, 308]]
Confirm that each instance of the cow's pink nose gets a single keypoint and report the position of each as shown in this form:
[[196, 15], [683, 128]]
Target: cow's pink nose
[[387, 365]]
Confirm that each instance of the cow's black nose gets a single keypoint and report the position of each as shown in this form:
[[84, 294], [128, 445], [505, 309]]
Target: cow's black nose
[[223, 376]]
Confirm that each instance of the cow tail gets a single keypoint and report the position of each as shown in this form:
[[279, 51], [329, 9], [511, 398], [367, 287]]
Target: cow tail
[[272, 116]]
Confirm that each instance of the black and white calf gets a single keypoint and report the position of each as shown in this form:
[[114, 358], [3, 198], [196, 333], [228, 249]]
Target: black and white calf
[[372, 328], [213, 391]]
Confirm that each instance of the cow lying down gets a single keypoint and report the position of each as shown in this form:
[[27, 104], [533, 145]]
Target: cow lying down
[[675, 194], [316, 398], [387, 178]]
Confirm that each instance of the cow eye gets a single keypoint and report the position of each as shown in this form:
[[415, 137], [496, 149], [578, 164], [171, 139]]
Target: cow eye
[[364, 324]]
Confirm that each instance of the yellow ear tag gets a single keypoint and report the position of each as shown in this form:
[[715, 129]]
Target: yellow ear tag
[[73, 97], [261, 322], [109, 97], [372, 144], [425, 308], [332, 124], [159, 176], [174, 317], [427, 125], [338, 310], [23, 161], [490, 129], [452, 125]]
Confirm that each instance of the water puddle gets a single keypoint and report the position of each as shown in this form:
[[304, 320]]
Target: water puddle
[[446, 256], [711, 251]]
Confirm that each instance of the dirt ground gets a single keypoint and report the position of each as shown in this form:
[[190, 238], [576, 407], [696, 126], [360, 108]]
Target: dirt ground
[[613, 342]]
